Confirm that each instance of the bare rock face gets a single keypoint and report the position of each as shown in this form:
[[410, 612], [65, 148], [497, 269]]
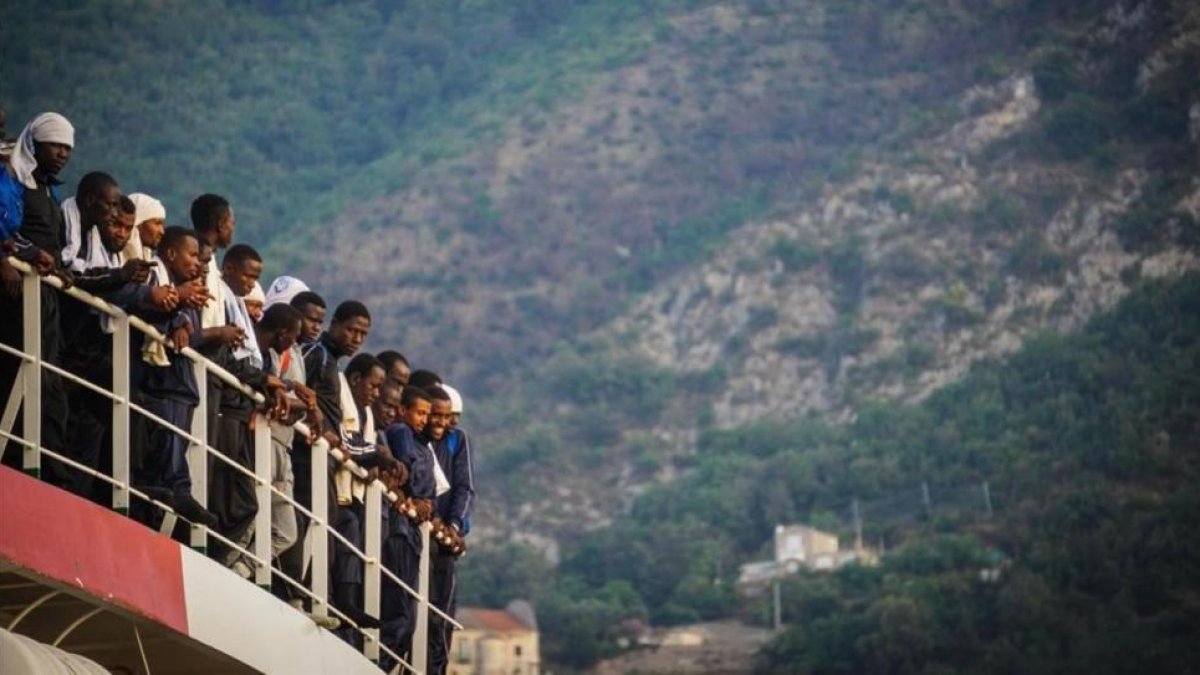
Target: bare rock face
[[935, 281], [1011, 104]]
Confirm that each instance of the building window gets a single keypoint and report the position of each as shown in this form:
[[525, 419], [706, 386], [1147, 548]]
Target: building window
[[464, 651], [517, 650]]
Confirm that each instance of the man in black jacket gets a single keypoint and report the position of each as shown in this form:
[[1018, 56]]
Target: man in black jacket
[[231, 493], [87, 335], [42, 152], [168, 390], [347, 331]]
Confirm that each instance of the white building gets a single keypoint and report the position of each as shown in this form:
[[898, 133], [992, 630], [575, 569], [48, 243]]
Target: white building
[[801, 547]]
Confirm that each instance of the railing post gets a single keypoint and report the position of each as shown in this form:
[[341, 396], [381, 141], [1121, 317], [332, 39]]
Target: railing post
[[31, 375], [12, 407], [318, 528], [372, 584], [262, 493], [120, 412], [420, 641], [198, 455]]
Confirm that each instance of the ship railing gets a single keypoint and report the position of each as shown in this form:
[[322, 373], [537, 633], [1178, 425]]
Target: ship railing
[[25, 400]]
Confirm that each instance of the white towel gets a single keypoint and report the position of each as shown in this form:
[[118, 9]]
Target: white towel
[[347, 488], [73, 225], [441, 485], [236, 315], [92, 256], [213, 314], [154, 352]]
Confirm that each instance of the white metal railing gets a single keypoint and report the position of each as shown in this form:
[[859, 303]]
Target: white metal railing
[[27, 389]]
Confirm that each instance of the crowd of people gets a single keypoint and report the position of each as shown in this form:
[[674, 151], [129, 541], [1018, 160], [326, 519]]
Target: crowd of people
[[201, 290]]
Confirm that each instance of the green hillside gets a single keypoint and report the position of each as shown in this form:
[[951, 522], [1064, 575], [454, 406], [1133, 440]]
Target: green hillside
[[276, 104], [1090, 445]]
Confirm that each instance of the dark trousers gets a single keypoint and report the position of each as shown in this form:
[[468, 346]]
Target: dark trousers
[[89, 438], [231, 496], [401, 554], [54, 398], [161, 458], [443, 594], [346, 568]]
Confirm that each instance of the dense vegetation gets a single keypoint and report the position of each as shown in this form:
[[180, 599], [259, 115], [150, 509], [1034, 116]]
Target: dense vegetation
[[1091, 446], [272, 103]]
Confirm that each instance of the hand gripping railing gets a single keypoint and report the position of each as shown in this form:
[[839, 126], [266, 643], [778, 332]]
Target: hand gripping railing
[[27, 389]]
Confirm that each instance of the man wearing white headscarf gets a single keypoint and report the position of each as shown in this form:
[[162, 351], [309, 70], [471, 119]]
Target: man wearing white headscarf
[[255, 302], [42, 151], [44, 147], [149, 222]]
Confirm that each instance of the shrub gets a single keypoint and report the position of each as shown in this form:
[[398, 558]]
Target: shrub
[[1056, 75], [796, 255], [1079, 127], [905, 265], [1000, 212], [761, 318], [848, 270], [1032, 258]]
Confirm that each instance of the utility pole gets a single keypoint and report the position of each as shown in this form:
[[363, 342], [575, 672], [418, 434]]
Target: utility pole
[[987, 498], [778, 618], [858, 541]]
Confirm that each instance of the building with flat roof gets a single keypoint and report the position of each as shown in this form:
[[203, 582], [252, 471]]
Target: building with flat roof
[[800, 547]]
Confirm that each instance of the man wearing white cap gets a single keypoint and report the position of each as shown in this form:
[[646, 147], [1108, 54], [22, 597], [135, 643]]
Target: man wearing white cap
[[283, 289], [42, 151]]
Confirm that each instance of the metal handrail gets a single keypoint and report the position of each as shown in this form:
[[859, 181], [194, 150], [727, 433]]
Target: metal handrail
[[261, 478]]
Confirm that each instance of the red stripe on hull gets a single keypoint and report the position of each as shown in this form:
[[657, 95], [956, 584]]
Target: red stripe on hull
[[75, 542]]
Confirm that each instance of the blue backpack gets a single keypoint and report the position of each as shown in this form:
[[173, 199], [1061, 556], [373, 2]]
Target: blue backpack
[[12, 204]]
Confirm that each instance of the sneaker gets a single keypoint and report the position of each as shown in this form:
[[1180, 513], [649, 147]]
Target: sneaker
[[326, 622], [191, 510], [243, 570]]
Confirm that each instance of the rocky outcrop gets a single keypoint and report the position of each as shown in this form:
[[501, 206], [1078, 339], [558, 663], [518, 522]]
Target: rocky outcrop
[[937, 277]]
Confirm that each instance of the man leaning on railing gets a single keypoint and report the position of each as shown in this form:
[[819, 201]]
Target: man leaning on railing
[[31, 227], [88, 333]]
